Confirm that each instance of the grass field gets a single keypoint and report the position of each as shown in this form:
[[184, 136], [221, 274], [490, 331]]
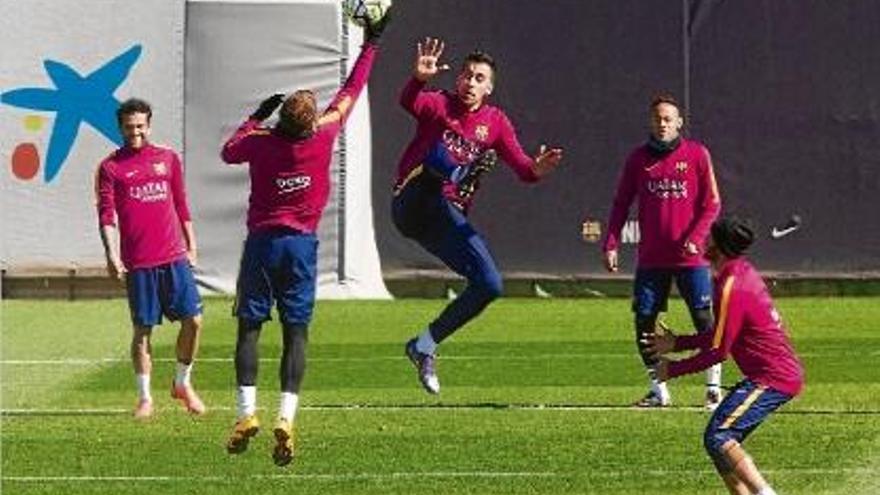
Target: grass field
[[534, 400]]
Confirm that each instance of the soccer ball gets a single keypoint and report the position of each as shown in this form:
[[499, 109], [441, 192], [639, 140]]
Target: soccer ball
[[360, 12]]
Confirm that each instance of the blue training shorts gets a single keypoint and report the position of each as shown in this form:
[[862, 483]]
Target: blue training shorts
[[741, 411], [168, 290], [652, 285], [277, 265]]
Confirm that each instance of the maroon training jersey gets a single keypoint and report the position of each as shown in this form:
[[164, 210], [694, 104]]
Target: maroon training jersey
[[290, 177], [748, 328], [465, 133], [143, 188], [677, 202]]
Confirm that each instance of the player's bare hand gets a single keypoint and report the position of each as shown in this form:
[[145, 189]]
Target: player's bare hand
[[546, 160], [611, 260], [192, 256], [657, 344], [690, 248], [116, 269], [427, 63]]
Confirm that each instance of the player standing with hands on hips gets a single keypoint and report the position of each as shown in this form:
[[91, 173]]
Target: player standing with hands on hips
[[672, 180], [289, 167], [458, 138], [142, 203], [749, 329]]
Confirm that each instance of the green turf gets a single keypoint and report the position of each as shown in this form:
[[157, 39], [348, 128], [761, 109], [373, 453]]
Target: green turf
[[533, 402]]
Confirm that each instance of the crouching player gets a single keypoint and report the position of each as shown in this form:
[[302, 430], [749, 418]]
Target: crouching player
[[748, 328], [289, 168]]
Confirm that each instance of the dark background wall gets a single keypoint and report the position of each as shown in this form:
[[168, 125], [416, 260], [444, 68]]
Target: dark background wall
[[784, 93]]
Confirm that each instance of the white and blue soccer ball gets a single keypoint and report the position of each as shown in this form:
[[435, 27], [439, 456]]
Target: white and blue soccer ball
[[360, 12]]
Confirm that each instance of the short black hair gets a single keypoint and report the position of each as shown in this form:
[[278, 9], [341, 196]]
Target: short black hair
[[733, 235], [481, 57], [133, 105], [667, 98]]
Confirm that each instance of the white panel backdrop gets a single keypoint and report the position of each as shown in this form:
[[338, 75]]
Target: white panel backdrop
[[53, 224], [237, 53]]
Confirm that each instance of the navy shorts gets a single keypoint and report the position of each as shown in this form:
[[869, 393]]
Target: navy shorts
[[277, 265], [652, 285], [741, 411], [168, 290], [420, 212]]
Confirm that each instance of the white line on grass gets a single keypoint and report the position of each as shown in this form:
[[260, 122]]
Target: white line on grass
[[467, 357], [99, 411], [472, 357], [292, 476], [604, 473], [110, 411]]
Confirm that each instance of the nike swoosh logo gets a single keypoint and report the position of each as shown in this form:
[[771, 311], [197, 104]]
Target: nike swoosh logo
[[780, 233]]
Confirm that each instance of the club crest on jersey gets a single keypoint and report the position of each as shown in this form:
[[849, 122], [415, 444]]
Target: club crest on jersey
[[482, 132], [681, 167], [160, 168]]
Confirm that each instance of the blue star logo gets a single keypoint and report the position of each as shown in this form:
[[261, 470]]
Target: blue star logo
[[76, 99]]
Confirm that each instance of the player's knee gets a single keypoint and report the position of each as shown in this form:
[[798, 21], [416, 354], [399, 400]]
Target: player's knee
[[702, 319], [295, 332], [491, 287], [192, 324], [248, 330], [717, 442]]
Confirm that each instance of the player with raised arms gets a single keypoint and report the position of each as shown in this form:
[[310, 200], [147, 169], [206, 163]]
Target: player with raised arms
[[458, 138], [748, 328], [289, 167]]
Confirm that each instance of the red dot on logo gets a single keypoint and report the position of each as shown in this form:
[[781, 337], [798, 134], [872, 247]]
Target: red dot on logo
[[25, 161]]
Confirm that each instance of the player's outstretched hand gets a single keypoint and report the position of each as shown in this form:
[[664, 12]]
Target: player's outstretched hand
[[427, 63], [546, 160], [658, 344], [267, 107]]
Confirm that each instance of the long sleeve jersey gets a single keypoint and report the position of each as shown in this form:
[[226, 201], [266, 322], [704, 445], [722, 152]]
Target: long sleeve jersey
[[748, 328], [466, 134], [677, 202], [143, 188], [290, 177]]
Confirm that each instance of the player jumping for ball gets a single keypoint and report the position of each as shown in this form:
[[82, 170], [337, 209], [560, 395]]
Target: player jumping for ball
[[289, 168], [457, 137]]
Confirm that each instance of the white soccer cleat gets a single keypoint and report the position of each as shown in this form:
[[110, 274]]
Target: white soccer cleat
[[425, 365]]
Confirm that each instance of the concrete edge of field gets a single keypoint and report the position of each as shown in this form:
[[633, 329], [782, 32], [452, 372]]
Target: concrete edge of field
[[77, 284]]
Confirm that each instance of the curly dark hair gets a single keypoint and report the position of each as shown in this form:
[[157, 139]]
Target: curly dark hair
[[134, 105]]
